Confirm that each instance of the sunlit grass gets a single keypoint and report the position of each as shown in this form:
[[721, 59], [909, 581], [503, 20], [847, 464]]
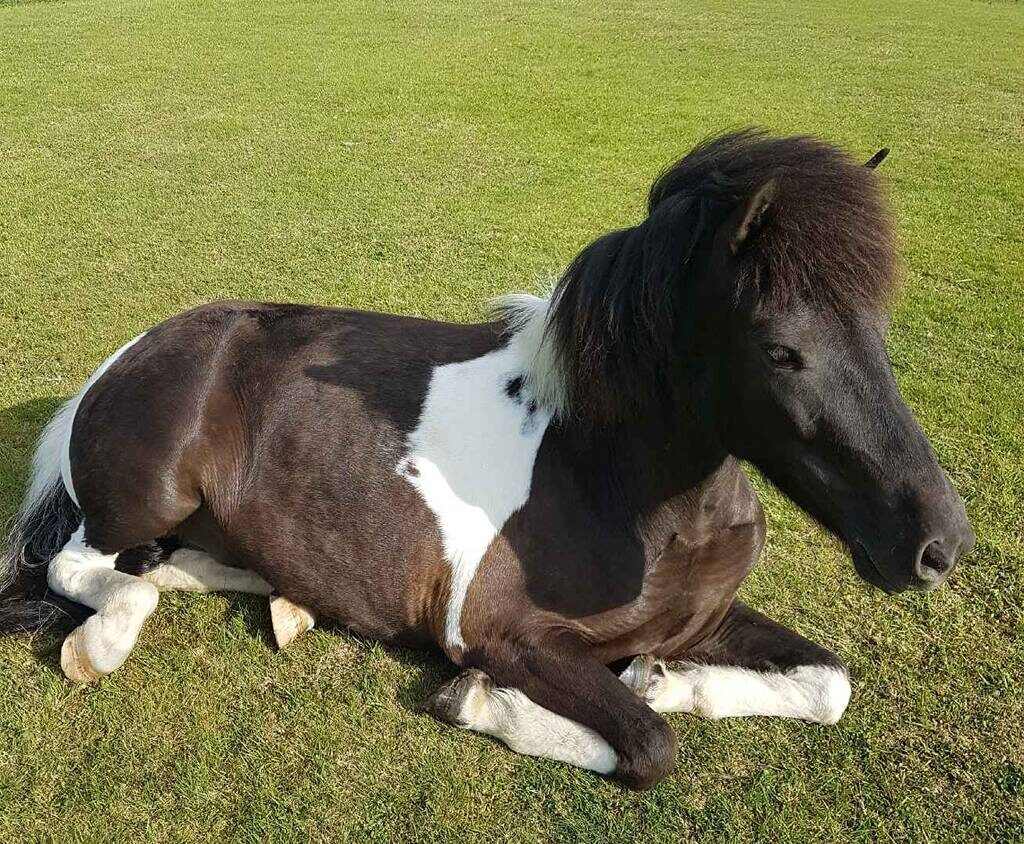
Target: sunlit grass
[[421, 159]]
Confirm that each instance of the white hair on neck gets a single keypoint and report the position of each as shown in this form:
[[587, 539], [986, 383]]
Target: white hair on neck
[[527, 319]]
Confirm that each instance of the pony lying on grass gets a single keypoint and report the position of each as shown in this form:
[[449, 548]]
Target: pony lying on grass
[[541, 496]]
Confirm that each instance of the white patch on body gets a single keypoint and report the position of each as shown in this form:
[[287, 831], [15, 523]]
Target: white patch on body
[[525, 727], [471, 457], [52, 460], [814, 693], [122, 603]]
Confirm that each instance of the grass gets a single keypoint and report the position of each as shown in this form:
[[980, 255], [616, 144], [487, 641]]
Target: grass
[[421, 159]]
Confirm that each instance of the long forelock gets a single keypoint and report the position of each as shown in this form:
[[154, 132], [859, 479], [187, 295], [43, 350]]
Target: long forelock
[[827, 236], [598, 348]]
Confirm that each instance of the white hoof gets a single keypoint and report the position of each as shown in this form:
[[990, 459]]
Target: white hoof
[[638, 673], [289, 620], [102, 643], [74, 658], [646, 676]]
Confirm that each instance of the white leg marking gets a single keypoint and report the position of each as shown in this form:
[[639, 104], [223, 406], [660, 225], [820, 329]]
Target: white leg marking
[[471, 457], [811, 692], [511, 717], [122, 603], [289, 620], [190, 570]]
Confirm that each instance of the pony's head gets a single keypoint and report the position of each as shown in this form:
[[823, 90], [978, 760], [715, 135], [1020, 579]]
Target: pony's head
[[753, 301]]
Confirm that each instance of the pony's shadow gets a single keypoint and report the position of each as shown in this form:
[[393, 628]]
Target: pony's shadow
[[20, 427], [254, 613], [430, 668], [431, 671]]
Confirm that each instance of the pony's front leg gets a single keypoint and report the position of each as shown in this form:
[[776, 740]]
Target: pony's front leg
[[473, 702], [122, 603], [558, 702], [750, 666]]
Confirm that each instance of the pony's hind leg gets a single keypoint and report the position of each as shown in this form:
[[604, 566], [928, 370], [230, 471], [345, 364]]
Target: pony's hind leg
[[193, 570], [289, 620], [122, 604]]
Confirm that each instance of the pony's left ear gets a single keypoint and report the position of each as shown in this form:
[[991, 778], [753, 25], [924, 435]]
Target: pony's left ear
[[758, 204], [877, 158]]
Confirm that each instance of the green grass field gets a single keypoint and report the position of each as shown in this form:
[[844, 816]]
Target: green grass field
[[420, 159]]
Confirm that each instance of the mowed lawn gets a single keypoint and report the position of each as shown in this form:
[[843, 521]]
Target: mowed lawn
[[420, 159]]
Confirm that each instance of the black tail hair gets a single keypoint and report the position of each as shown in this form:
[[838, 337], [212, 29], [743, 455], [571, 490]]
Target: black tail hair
[[36, 535]]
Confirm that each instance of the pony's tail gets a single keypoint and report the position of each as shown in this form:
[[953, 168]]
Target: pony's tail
[[43, 525]]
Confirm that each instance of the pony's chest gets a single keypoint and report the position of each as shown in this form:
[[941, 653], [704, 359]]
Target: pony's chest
[[684, 594]]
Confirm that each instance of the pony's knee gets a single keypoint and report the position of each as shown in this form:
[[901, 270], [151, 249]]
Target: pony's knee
[[649, 758]]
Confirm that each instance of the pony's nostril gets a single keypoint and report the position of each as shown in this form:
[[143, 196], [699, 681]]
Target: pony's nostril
[[935, 563]]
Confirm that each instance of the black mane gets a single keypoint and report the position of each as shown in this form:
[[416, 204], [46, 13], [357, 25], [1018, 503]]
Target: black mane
[[826, 238]]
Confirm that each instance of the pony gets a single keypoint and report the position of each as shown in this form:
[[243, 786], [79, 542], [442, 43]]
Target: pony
[[554, 498]]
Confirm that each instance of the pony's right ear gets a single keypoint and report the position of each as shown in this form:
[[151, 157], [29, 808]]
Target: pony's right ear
[[877, 158], [756, 207]]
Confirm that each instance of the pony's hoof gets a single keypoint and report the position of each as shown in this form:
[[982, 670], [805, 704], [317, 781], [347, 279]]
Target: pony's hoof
[[289, 620], [74, 659], [449, 703], [645, 676], [638, 673]]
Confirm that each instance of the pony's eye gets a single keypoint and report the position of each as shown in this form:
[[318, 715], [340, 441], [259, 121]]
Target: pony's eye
[[783, 356]]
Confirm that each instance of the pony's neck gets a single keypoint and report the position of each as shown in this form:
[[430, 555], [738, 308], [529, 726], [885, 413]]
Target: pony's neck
[[636, 464]]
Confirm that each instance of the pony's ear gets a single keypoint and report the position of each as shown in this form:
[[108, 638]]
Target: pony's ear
[[758, 204], [877, 158]]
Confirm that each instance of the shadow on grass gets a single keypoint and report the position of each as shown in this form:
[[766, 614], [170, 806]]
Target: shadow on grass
[[430, 667], [431, 670], [20, 427], [254, 613]]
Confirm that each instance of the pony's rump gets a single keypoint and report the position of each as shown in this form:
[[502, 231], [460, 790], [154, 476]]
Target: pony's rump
[[47, 518]]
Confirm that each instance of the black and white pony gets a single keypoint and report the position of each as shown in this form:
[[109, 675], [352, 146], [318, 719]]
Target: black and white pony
[[541, 496]]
